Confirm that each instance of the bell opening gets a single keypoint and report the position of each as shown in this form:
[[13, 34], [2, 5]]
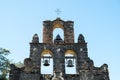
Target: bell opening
[[70, 64], [46, 64]]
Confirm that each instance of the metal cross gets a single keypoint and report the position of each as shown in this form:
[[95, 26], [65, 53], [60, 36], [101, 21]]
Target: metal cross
[[58, 12]]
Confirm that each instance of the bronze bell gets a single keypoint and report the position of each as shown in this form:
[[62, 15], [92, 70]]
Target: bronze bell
[[46, 63], [70, 63]]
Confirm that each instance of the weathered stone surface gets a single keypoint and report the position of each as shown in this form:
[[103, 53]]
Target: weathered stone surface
[[58, 49]]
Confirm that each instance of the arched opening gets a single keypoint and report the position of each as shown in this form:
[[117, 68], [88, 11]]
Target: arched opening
[[70, 62], [46, 62], [58, 31]]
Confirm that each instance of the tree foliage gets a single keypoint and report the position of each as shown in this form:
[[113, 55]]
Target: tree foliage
[[4, 63]]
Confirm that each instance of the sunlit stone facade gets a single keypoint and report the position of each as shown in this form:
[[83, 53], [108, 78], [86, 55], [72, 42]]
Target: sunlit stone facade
[[60, 54]]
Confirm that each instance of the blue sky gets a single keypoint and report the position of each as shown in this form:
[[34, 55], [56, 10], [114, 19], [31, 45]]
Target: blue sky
[[97, 20]]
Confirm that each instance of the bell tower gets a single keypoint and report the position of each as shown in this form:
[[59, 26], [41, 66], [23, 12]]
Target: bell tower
[[66, 26], [54, 59]]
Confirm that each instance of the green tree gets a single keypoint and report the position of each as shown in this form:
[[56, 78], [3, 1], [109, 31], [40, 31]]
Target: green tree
[[4, 63]]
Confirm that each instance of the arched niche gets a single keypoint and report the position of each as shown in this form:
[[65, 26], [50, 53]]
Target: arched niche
[[70, 55], [45, 52], [58, 31], [58, 28], [58, 24], [70, 52], [46, 55]]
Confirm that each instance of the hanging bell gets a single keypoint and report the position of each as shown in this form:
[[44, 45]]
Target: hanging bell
[[46, 63], [70, 63]]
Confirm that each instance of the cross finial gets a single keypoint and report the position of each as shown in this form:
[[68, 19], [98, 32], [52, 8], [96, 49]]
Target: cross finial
[[58, 12]]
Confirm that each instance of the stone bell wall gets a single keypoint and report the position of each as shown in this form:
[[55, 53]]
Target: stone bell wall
[[85, 69]]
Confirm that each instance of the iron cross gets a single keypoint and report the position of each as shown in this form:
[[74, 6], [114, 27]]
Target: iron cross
[[58, 12]]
